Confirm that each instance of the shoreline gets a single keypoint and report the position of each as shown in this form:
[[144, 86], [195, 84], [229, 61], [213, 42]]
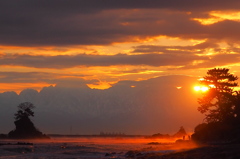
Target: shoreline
[[208, 151], [186, 149]]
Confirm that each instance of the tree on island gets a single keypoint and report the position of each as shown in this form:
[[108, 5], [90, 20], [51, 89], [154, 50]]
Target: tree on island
[[24, 126], [24, 111], [220, 104]]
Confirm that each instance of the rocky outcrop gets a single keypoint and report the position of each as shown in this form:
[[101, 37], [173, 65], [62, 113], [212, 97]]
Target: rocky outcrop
[[181, 133], [25, 129]]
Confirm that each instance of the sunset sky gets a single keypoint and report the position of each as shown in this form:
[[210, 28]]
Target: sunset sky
[[118, 64], [101, 42]]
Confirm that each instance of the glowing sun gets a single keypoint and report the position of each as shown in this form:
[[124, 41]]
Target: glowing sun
[[201, 88]]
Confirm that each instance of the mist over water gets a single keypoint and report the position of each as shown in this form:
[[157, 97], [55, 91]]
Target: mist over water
[[87, 147]]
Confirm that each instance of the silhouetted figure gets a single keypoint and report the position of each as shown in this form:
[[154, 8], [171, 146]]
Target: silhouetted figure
[[24, 126]]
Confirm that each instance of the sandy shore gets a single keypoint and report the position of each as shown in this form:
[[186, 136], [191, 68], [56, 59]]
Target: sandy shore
[[220, 151]]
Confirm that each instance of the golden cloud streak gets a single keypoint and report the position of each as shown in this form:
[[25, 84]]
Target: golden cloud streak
[[208, 21], [227, 15], [218, 16], [101, 85]]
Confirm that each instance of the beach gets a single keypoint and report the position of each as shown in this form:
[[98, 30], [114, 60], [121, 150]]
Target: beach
[[111, 147], [216, 151], [87, 147]]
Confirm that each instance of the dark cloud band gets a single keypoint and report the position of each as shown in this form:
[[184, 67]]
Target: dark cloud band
[[101, 22], [67, 61]]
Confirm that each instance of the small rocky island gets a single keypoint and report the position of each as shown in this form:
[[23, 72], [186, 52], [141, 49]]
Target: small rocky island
[[181, 133], [25, 129]]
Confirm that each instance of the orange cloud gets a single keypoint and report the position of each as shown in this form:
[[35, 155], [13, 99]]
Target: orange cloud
[[226, 15], [100, 85], [218, 16], [208, 21]]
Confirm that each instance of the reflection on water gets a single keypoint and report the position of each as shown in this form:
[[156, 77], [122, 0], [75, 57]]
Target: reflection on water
[[86, 147]]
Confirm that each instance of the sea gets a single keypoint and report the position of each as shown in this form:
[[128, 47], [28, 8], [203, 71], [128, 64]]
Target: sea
[[84, 147]]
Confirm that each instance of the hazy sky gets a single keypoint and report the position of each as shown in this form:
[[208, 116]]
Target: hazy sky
[[99, 43]]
